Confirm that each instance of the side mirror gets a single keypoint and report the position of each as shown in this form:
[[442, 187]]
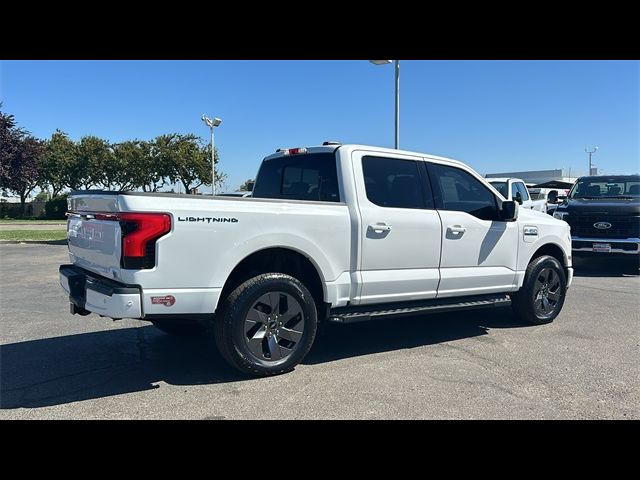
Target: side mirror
[[519, 198], [509, 211], [553, 196]]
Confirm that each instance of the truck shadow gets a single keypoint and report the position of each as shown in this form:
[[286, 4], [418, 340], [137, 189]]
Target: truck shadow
[[606, 267], [336, 342], [86, 366]]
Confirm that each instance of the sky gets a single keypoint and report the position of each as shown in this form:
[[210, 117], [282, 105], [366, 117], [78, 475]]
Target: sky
[[495, 116]]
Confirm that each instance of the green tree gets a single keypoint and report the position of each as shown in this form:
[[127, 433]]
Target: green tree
[[245, 186], [58, 162], [91, 165], [186, 160], [138, 166]]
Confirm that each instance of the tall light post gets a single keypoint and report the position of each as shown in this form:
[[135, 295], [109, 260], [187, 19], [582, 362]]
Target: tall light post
[[397, 113], [212, 124], [590, 152]]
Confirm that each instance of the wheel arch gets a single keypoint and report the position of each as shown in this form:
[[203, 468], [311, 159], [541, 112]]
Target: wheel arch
[[552, 249], [287, 260]]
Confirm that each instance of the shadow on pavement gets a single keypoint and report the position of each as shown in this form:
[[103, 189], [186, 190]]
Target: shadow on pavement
[[335, 342], [73, 368], [606, 267]]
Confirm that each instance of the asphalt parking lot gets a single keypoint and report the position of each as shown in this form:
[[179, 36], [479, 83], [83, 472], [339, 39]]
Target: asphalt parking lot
[[482, 364]]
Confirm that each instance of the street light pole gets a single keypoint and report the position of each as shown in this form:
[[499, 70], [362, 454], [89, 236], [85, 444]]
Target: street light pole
[[213, 164], [397, 88], [212, 124], [590, 152], [397, 104]]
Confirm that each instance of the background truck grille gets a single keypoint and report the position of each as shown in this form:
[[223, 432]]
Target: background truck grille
[[622, 226]]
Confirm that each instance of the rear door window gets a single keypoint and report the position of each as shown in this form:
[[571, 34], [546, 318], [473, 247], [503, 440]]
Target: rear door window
[[395, 183]]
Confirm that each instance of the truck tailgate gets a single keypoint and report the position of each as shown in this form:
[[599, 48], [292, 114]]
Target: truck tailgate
[[95, 244]]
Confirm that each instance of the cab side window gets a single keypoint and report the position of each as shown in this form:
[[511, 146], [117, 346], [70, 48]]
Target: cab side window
[[457, 190], [515, 192], [523, 191], [395, 183]]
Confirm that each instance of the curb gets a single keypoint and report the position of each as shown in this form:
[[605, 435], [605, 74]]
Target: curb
[[61, 224], [41, 242]]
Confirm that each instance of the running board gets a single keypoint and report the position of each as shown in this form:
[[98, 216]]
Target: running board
[[363, 313]]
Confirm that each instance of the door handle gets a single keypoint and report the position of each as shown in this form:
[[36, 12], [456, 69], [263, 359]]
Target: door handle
[[457, 229], [380, 227]]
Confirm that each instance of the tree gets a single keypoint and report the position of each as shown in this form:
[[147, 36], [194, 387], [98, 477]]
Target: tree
[[138, 166], [10, 136], [154, 172], [58, 162], [23, 169], [245, 186], [20, 156], [93, 164], [186, 160]]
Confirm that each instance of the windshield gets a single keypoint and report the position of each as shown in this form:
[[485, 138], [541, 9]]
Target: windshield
[[606, 187], [501, 187]]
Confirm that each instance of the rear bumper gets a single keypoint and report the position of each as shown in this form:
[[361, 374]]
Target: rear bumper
[[92, 293], [624, 246]]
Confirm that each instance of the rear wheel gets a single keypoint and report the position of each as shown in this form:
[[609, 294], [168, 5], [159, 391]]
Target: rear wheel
[[541, 297], [179, 328], [267, 325]]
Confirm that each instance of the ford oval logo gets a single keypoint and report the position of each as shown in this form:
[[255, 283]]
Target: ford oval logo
[[602, 225]]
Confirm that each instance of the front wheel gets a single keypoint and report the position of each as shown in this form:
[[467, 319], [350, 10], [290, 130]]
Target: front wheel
[[267, 325], [541, 297]]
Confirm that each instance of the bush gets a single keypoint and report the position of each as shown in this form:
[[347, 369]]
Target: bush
[[55, 208]]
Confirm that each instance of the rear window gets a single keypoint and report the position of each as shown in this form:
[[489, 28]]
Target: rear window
[[299, 177]]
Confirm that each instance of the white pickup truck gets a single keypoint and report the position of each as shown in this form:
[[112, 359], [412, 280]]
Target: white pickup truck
[[339, 233], [516, 189]]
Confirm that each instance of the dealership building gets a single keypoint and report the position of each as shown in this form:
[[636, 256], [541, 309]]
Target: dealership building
[[535, 177]]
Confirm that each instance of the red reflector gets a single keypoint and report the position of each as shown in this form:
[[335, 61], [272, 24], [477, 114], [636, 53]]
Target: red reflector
[[294, 151], [146, 227]]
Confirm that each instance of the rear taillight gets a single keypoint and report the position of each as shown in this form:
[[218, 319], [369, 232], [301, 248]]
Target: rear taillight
[[139, 234]]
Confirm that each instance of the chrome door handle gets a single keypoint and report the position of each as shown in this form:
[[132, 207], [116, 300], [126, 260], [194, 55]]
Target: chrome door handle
[[380, 227], [457, 229]]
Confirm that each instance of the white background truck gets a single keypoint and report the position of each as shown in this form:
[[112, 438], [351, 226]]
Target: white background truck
[[515, 189], [338, 233]]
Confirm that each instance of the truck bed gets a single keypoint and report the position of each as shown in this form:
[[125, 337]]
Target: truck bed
[[209, 236]]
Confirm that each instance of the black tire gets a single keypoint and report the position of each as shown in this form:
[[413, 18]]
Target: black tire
[[238, 344], [542, 295], [179, 328]]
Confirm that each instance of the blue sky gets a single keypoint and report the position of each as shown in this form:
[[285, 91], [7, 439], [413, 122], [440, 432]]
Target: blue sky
[[493, 115]]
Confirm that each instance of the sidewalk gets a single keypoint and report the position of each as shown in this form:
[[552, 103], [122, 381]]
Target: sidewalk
[[33, 226]]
